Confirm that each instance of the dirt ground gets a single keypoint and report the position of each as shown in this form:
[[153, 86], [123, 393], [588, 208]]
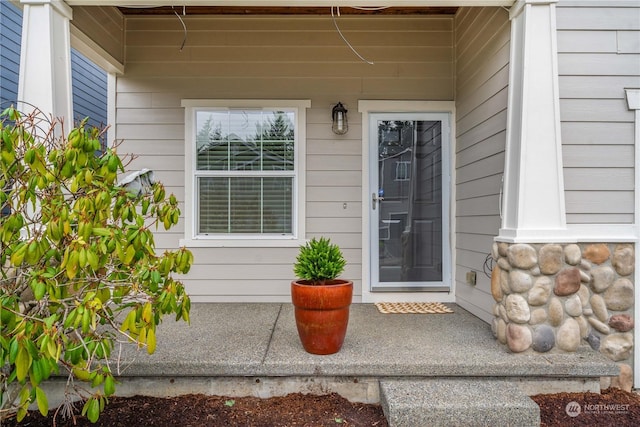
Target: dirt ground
[[613, 407]]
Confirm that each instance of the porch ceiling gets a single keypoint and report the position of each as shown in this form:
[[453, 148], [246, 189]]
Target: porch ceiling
[[255, 10]]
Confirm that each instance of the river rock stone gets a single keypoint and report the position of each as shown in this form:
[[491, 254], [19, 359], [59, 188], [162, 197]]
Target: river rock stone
[[624, 381], [502, 331], [596, 253], [494, 251], [585, 265], [572, 254], [568, 337], [496, 291], [538, 316], [567, 282], [556, 312], [503, 313], [502, 248], [494, 327], [584, 326], [603, 277], [522, 256], [550, 259], [617, 347], [594, 341], [623, 259], [584, 294], [584, 277], [504, 282], [543, 339], [520, 281], [504, 264], [619, 296], [621, 322], [599, 326], [599, 307], [573, 306], [518, 337], [517, 309], [539, 294]]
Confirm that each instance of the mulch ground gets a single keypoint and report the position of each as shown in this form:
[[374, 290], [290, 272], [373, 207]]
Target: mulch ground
[[613, 407], [197, 410]]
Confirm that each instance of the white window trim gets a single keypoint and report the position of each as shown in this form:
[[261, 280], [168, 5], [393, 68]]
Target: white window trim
[[297, 238]]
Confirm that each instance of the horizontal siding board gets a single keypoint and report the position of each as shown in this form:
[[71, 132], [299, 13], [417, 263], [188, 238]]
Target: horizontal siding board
[[496, 102], [493, 126], [487, 166], [292, 24], [587, 41], [281, 39], [595, 202], [486, 186], [478, 206], [591, 110], [489, 224], [629, 41], [249, 69], [334, 178], [334, 163], [600, 218], [480, 243], [334, 225], [496, 83], [159, 147], [597, 133], [598, 156], [326, 194], [596, 87], [334, 210], [598, 64], [599, 179], [213, 53], [151, 131], [150, 116], [597, 18]]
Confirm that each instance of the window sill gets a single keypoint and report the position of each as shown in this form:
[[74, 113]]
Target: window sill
[[239, 243]]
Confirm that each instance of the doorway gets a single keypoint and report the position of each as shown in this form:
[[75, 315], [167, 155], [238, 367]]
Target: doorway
[[409, 202]]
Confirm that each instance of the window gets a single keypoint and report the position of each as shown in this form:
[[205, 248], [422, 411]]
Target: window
[[403, 170], [244, 165]]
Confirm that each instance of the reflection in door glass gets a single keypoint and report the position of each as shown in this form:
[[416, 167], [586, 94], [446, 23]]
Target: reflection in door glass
[[410, 191]]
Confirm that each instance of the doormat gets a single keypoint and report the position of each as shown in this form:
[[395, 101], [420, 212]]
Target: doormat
[[412, 308]]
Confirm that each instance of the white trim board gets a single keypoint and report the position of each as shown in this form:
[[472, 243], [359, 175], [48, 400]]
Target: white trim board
[[367, 107]]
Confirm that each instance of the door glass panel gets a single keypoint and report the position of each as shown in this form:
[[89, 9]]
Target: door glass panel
[[409, 200]]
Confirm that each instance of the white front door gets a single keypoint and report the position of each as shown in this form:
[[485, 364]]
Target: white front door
[[409, 202]]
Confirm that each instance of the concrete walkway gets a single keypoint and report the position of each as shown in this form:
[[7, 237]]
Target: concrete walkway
[[424, 369]]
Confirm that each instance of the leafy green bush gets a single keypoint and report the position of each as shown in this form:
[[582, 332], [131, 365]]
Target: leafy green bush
[[79, 272], [319, 261]]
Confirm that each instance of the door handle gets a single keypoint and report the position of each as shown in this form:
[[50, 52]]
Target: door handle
[[375, 199]]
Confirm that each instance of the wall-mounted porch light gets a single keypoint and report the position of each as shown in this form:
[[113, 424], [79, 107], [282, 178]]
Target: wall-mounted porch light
[[340, 125]]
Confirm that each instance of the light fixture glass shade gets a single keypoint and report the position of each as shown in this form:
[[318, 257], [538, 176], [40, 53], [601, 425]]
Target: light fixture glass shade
[[340, 125]]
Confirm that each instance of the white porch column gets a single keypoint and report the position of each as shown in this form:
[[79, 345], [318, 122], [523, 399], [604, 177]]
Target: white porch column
[[45, 59], [533, 204]]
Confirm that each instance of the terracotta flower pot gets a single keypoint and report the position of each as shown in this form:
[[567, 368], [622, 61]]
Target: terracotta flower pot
[[322, 314]]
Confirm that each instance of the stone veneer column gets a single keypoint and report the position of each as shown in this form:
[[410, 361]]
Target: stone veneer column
[[558, 297]]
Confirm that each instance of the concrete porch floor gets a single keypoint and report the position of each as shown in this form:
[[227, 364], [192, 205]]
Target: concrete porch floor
[[424, 369], [260, 340]]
